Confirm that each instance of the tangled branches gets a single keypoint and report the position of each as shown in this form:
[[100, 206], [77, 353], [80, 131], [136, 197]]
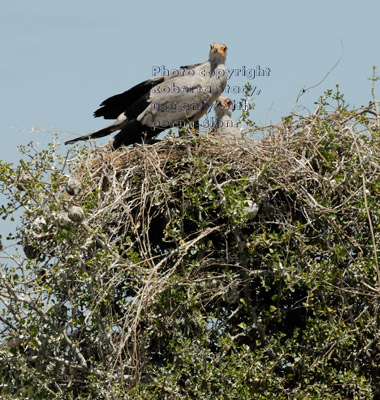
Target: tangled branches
[[200, 267]]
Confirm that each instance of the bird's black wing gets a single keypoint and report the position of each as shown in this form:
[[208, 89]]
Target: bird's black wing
[[112, 107]]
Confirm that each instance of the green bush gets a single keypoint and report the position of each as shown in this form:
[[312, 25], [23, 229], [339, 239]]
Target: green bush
[[197, 269]]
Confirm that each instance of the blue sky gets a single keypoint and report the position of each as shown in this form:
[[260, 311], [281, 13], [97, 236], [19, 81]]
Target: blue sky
[[60, 60]]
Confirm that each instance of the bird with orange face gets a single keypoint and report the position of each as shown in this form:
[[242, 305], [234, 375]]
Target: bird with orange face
[[225, 125], [175, 99]]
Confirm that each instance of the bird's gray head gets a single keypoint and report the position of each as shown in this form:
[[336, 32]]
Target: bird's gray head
[[218, 52], [224, 106]]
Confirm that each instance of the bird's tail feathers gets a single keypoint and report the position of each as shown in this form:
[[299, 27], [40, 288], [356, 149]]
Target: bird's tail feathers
[[99, 133]]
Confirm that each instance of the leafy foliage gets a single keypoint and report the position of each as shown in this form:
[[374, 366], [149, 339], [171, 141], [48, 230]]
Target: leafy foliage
[[193, 268]]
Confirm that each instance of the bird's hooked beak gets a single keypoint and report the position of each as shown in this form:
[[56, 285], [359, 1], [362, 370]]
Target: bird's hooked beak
[[226, 104], [218, 48]]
